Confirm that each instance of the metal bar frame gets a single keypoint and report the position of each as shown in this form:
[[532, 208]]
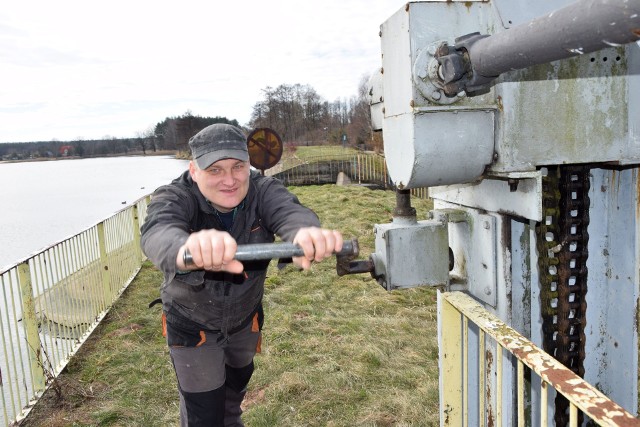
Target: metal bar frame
[[455, 311]]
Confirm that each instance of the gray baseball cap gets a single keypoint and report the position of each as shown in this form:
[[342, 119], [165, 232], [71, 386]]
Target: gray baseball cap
[[218, 142]]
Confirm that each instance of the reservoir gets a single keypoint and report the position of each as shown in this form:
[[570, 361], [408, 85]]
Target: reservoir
[[44, 202]]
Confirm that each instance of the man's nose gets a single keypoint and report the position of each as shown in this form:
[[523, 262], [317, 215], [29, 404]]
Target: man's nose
[[228, 178]]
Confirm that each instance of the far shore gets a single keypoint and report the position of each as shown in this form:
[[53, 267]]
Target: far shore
[[177, 154]]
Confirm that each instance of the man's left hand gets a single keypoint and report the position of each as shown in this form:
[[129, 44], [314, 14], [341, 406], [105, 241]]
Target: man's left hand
[[317, 244]]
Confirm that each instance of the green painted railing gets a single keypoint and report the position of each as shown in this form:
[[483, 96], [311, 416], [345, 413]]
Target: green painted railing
[[52, 301]]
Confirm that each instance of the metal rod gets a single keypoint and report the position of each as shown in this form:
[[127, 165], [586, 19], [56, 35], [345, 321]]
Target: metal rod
[[354, 267], [262, 251], [403, 204], [582, 27]]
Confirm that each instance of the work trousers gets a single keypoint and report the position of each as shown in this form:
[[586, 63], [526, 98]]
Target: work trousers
[[213, 374]]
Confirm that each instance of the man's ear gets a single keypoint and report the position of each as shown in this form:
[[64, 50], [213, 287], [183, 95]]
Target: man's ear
[[192, 170]]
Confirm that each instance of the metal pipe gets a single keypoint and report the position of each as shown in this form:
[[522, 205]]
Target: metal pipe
[[262, 251], [582, 27]]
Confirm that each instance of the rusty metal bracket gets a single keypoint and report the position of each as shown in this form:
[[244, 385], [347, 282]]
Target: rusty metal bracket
[[345, 263]]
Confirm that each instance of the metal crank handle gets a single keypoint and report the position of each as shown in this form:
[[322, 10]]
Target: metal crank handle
[[262, 251]]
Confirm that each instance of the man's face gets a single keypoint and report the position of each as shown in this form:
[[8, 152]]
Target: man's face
[[225, 183]]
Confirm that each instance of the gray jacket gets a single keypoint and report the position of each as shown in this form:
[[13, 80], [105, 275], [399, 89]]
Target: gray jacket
[[217, 301]]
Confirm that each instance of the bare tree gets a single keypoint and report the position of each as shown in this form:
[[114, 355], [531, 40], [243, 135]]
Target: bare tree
[[294, 111], [360, 127], [146, 139]]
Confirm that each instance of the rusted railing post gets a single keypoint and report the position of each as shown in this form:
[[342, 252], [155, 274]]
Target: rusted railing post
[[104, 265], [451, 366], [30, 323], [136, 233]]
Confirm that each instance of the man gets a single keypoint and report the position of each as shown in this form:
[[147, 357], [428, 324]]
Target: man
[[212, 312]]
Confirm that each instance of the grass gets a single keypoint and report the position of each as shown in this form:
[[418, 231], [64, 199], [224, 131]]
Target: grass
[[337, 351]]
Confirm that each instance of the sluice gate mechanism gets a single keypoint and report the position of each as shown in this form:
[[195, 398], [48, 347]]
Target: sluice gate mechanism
[[523, 119]]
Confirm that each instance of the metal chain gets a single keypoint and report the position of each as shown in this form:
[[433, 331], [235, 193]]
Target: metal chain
[[562, 243]]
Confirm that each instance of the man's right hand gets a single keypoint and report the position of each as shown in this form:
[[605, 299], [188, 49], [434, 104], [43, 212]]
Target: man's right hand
[[210, 250]]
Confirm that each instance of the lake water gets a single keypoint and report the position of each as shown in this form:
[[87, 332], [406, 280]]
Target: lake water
[[42, 203]]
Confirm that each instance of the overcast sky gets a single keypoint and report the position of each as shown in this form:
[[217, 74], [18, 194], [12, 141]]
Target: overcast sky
[[81, 69]]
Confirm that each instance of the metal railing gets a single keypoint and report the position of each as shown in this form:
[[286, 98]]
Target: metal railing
[[458, 314], [52, 301], [360, 168]]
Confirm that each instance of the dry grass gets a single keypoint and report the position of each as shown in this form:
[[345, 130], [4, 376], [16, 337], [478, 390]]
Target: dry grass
[[337, 351]]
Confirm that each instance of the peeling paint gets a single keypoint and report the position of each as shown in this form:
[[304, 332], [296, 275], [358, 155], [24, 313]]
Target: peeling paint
[[488, 357], [583, 395], [635, 178]]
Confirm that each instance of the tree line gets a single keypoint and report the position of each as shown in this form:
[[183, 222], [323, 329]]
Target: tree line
[[172, 134], [302, 117], [295, 111]]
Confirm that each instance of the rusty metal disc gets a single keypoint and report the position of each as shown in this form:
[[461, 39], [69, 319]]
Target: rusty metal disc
[[265, 148]]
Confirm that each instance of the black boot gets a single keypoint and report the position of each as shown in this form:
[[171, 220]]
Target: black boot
[[236, 388], [232, 409]]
